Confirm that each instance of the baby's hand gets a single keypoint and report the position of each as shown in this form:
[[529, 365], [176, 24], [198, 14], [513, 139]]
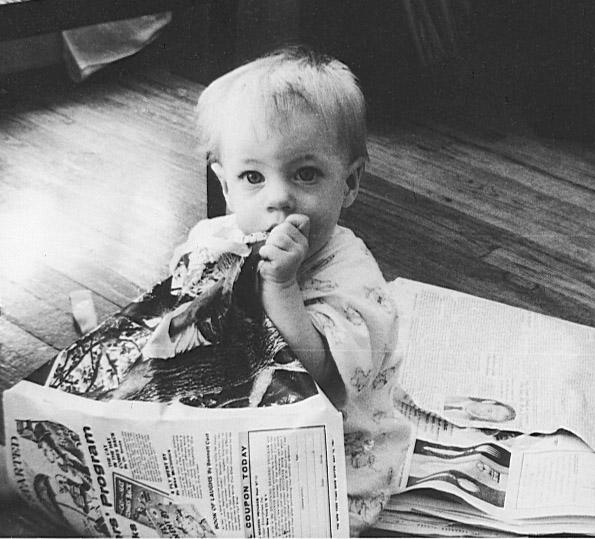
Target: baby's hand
[[285, 250]]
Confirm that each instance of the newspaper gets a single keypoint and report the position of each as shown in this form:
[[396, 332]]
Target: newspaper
[[500, 405], [434, 515], [484, 364], [168, 470], [208, 448], [185, 414], [413, 522], [509, 481]]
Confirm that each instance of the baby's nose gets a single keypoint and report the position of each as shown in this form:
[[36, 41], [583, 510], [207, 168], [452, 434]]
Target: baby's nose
[[280, 197]]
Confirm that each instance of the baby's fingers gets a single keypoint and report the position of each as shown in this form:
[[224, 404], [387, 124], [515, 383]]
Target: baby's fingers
[[286, 238], [299, 221], [269, 252]]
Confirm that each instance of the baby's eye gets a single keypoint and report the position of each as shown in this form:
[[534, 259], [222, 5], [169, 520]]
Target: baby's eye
[[307, 174], [252, 177]]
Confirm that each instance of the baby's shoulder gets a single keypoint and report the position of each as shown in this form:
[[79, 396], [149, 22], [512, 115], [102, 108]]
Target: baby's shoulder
[[349, 251], [344, 260]]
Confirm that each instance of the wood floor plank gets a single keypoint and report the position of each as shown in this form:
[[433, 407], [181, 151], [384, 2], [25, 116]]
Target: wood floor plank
[[101, 280], [88, 201], [42, 281], [528, 160], [35, 244], [22, 353], [36, 316], [569, 161], [103, 157], [439, 245], [568, 290], [46, 229], [493, 198], [430, 218]]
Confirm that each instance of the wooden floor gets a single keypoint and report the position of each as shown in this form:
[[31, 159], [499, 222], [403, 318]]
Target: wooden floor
[[99, 182]]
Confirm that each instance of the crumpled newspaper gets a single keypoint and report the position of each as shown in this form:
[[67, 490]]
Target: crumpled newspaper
[[200, 337]]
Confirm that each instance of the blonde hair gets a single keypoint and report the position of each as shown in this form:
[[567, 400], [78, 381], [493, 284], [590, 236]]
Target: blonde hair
[[286, 81]]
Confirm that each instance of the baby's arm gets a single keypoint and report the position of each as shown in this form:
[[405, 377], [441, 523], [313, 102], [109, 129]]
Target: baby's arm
[[282, 255]]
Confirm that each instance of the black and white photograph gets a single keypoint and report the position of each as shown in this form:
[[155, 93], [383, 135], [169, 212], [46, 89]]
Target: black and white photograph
[[374, 218]]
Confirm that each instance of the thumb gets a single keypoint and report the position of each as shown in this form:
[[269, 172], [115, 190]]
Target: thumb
[[301, 222]]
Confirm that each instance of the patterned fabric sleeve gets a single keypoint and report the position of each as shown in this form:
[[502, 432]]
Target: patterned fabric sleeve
[[350, 305]]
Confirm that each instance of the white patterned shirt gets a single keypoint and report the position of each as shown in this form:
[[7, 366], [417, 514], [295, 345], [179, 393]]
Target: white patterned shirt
[[350, 304]]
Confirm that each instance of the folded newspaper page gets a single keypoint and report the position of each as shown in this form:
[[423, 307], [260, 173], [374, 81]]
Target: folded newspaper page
[[501, 402], [493, 480], [436, 515], [483, 364], [507, 475], [183, 415], [402, 516], [169, 470]]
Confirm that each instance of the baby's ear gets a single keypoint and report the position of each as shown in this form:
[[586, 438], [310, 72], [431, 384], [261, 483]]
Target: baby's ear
[[220, 173], [356, 171]]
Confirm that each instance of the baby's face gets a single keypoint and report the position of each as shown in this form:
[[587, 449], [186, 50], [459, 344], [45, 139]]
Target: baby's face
[[295, 167]]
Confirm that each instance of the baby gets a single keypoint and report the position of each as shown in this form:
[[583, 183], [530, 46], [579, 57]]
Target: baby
[[286, 136]]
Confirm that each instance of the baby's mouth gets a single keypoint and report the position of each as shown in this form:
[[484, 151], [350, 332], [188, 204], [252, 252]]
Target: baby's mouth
[[256, 237]]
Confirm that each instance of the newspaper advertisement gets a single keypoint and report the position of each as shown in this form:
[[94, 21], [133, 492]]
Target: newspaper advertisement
[[146, 469], [502, 480], [479, 363]]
